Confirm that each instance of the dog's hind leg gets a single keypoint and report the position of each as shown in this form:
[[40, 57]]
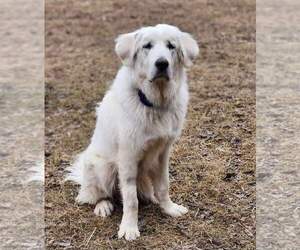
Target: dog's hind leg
[[99, 189], [94, 195], [96, 177], [106, 174], [145, 188], [81, 172], [91, 190]]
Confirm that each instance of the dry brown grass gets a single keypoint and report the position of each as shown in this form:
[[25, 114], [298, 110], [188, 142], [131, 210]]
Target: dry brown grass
[[213, 164]]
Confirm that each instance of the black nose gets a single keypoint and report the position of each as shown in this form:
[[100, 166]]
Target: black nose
[[161, 64]]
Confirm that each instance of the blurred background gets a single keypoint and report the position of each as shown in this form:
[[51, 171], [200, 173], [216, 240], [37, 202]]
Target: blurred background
[[21, 124]]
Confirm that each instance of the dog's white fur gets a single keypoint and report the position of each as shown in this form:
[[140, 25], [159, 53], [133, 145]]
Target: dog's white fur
[[133, 141]]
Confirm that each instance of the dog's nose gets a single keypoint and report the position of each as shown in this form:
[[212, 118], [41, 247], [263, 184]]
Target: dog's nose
[[161, 64]]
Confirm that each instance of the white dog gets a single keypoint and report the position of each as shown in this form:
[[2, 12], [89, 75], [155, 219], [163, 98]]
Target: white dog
[[137, 122]]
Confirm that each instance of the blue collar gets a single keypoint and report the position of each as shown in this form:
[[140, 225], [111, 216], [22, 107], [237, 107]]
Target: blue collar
[[144, 99]]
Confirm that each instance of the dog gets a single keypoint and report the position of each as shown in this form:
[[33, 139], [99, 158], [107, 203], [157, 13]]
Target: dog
[[138, 120]]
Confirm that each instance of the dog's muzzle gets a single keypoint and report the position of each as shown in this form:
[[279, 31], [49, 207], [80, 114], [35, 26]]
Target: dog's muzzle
[[162, 66]]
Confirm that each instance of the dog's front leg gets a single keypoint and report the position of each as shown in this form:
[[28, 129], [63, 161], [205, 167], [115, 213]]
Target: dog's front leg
[[127, 175], [161, 186]]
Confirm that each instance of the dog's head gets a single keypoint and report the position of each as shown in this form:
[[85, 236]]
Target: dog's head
[[158, 54]]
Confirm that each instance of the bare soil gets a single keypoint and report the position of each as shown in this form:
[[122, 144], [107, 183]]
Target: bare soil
[[212, 165]]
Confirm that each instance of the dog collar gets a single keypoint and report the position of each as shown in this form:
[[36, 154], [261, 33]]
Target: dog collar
[[144, 99]]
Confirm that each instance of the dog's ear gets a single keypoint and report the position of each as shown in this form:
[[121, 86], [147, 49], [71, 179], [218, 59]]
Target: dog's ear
[[125, 44], [189, 48]]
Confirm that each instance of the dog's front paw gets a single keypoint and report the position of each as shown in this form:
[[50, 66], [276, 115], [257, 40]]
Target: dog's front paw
[[174, 209], [129, 232]]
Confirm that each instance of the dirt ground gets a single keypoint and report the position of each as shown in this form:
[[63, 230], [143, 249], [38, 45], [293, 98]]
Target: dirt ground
[[212, 165]]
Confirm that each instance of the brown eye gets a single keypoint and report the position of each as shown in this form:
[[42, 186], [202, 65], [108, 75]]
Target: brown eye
[[170, 46], [147, 46]]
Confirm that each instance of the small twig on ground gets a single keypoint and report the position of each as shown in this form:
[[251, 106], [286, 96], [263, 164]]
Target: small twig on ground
[[88, 240], [197, 212]]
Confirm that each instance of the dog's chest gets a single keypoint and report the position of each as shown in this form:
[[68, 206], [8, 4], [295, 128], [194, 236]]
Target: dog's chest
[[163, 125]]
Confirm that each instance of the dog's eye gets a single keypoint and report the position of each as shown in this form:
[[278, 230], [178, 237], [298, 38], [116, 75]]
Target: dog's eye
[[170, 46], [147, 46]]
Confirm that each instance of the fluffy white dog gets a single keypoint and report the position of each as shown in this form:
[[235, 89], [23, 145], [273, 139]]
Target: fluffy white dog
[[137, 122]]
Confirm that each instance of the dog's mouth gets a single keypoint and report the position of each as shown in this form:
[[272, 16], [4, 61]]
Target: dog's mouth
[[160, 77]]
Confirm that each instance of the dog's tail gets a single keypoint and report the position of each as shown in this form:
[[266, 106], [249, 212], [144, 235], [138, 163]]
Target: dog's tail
[[75, 171]]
